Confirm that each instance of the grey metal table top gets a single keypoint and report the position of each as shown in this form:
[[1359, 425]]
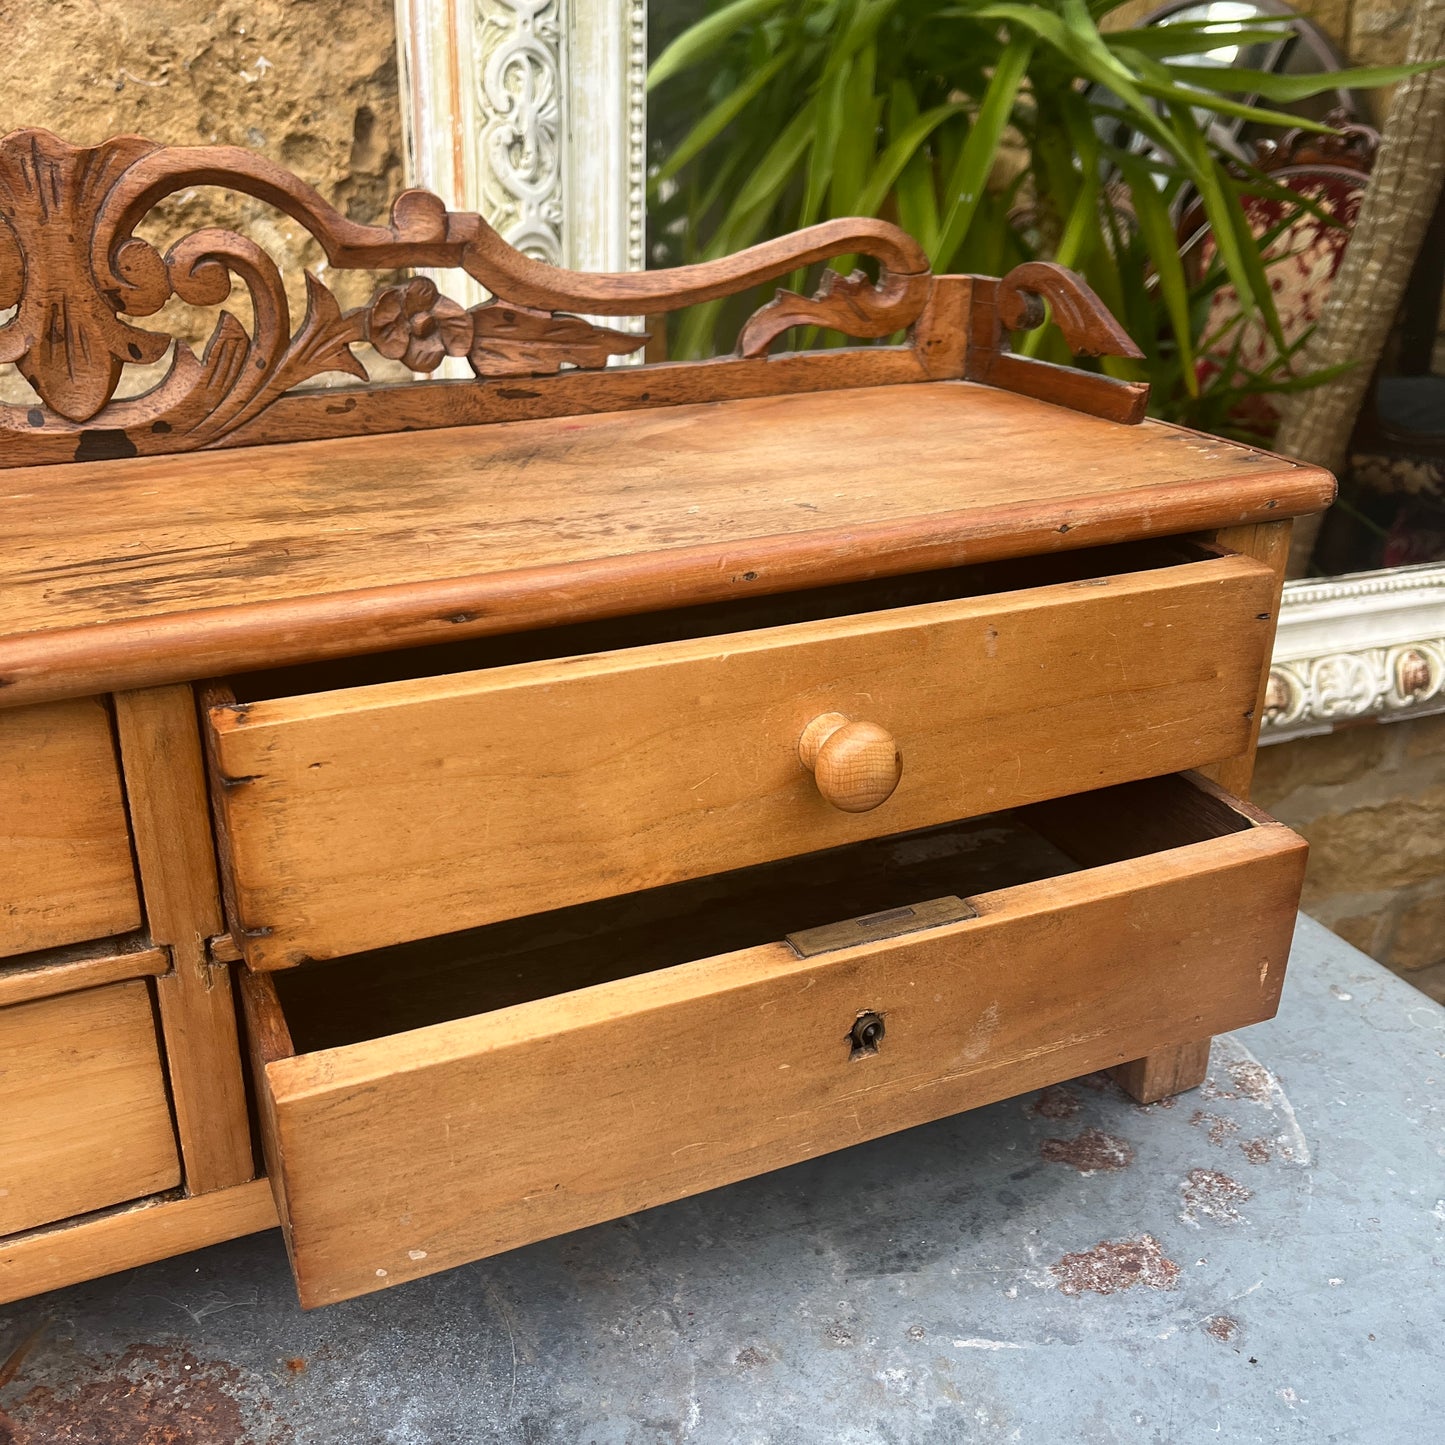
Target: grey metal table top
[[1260, 1260]]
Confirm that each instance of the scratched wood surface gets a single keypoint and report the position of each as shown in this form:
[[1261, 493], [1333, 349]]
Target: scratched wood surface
[[402, 810], [156, 569], [66, 874], [402, 1155]]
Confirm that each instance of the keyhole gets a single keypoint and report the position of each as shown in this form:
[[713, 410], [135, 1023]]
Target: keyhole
[[865, 1035]]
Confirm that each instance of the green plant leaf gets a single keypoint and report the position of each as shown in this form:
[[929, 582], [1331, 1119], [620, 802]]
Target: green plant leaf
[[889, 166], [1195, 37], [829, 124], [1295, 87], [975, 160], [858, 137], [777, 165], [702, 39], [1156, 227], [723, 114]]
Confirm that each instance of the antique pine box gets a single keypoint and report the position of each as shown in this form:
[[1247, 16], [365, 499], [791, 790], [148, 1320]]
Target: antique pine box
[[600, 783]]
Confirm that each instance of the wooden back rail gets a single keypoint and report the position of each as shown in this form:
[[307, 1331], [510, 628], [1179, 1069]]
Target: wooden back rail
[[76, 274]]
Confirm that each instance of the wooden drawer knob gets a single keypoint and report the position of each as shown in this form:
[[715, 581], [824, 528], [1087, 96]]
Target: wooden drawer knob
[[856, 765]]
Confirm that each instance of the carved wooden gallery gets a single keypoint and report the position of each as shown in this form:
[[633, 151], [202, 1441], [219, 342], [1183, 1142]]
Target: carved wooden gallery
[[447, 814]]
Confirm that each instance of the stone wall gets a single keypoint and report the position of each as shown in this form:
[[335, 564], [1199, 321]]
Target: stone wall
[[1371, 801], [311, 83]]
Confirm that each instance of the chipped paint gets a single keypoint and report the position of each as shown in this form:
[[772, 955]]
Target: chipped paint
[[1218, 1126], [1221, 1327], [147, 1395], [1056, 1102], [1114, 1265], [1211, 1194], [1090, 1152]]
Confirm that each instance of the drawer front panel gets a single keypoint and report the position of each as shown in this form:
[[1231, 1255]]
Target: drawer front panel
[[84, 1121], [66, 874], [363, 818], [399, 1156]]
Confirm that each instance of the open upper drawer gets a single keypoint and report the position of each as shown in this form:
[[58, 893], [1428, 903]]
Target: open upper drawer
[[369, 815], [437, 1103]]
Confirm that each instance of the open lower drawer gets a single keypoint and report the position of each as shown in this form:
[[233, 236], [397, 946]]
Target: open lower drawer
[[435, 1103]]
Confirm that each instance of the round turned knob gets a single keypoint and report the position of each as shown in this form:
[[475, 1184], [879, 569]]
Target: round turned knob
[[856, 765]]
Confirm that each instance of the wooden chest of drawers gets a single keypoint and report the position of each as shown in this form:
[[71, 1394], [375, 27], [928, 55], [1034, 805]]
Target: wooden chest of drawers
[[606, 783]]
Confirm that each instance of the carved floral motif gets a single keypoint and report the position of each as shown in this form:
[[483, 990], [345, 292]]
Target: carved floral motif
[[416, 325], [1313, 694], [78, 277]]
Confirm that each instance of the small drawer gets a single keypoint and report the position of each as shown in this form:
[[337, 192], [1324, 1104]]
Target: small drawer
[[84, 1119], [66, 874], [436, 1103], [371, 815]]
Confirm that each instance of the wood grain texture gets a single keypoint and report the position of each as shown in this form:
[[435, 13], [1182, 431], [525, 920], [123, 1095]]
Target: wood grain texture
[[120, 1239], [369, 816], [83, 1115], [1180, 1068], [1269, 543], [73, 969], [65, 867], [170, 816], [856, 765], [1174, 1069], [344, 547], [76, 274], [404, 1155]]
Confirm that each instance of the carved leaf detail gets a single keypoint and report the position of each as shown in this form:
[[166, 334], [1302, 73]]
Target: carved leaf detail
[[851, 304], [324, 341], [510, 340], [1088, 327], [67, 338]]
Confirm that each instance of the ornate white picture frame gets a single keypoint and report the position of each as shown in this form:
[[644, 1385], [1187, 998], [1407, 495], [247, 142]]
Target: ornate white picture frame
[[533, 112]]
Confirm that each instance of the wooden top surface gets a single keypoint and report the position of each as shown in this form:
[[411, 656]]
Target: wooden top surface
[[123, 573]]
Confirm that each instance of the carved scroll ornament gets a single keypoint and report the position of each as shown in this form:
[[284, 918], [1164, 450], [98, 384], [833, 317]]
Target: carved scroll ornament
[[78, 277]]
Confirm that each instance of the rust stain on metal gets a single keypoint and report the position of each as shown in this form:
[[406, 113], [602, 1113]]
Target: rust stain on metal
[[1091, 1152], [1255, 1150], [750, 1357], [149, 1395], [1219, 1127], [1116, 1264], [1222, 1327], [1056, 1102], [1213, 1195]]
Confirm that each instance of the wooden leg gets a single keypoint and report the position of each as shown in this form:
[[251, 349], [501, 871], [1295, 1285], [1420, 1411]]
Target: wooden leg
[[1169, 1071]]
